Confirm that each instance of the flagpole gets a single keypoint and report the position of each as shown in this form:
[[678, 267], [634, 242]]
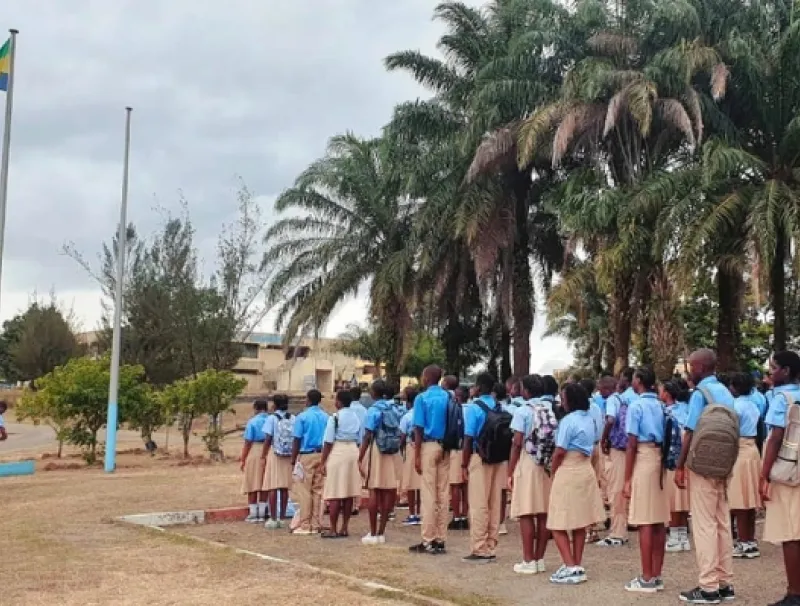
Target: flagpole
[[7, 144], [113, 384]]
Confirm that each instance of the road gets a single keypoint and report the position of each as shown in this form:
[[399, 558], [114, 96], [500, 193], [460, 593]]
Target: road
[[26, 437]]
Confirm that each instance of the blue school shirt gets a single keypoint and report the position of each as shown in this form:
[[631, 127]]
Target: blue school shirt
[[776, 415], [597, 416], [576, 432], [271, 423], [407, 422], [523, 418], [347, 429], [748, 416], [613, 403], [680, 412], [254, 430], [430, 413], [760, 400], [600, 401], [697, 402], [645, 419], [475, 418], [309, 427], [358, 408]]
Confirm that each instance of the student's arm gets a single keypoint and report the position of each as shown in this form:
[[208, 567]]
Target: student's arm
[[295, 451], [771, 451], [267, 445], [403, 440], [327, 441], [245, 453], [326, 452], [365, 444], [3, 434], [558, 459], [611, 417], [466, 453], [630, 462], [696, 403], [516, 450], [418, 450]]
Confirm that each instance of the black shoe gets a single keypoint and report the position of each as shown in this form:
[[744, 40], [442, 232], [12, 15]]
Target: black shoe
[[422, 548], [788, 600], [454, 524], [438, 548], [478, 559], [464, 524], [727, 594], [354, 512], [698, 596]]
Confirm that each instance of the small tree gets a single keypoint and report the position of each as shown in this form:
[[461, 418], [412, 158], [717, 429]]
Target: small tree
[[147, 415], [41, 408]]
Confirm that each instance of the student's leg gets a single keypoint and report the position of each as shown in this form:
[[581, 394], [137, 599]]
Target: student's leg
[[412, 503], [374, 505], [317, 486], [479, 513], [388, 498], [527, 529], [742, 525], [465, 500], [503, 505], [791, 561], [284, 501], [561, 538], [615, 473], [646, 551], [272, 497], [442, 466], [495, 476], [659, 548], [455, 500], [724, 572], [704, 506], [347, 511], [334, 506], [262, 504], [542, 536], [301, 494], [252, 498], [428, 490], [578, 544]]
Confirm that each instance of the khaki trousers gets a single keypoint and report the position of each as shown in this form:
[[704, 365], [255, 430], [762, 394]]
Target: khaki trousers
[[615, 484], [434, 491], [308, 493], [486, 484], [711, 524]]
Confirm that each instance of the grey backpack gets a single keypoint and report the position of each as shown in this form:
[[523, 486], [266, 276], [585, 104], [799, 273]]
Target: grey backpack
[[786, 469], [715, 443]]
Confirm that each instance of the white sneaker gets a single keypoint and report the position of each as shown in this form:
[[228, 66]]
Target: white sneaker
[[272, 524], [502, 530], [674, 545], [251, 519], [531, 567], [369, 540], [381, 539], [540, 567]]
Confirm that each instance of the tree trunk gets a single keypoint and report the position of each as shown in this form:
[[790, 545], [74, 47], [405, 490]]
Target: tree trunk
[[523, 296], [778, 291], [596, 354], [644, 311], [621, 310], [728, 294], [60, 448], [505, 353], [609, 354]]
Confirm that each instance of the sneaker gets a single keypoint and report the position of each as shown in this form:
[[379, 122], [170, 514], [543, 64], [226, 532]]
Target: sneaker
[[439, 548], [463, 524], [527, 567], [611, 542], [272, 524], [639, 585], [370, 539], [674, 545], [478, 559], [567, 575], [455, 524], [422, 548], [726, 593], [698, 596], [746, 551], [381, 539], [788, 600], [412, 521], [401, 506], [540, 567], [659, 584], [502, 530], [251, 519]]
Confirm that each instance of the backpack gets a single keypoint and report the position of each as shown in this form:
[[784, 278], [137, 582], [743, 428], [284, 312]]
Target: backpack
[[618, 436], [454, 426], [284, 436], [387, 438], [541, 444], [761, 434], [786, 469], [494, 441], [672, 444], [715, 444]]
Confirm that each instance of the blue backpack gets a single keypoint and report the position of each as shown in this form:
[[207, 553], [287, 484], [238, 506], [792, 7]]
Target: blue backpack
[[387, 438], [454, 426], [673, 442], [618, 435]]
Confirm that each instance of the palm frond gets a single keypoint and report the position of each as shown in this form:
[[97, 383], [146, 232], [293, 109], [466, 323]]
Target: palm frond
[[497, 150]]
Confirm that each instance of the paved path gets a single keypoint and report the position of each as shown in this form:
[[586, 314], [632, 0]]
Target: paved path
[[26, 437]]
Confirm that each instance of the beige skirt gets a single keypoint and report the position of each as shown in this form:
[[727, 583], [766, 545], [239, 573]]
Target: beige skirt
[[575, 500], [531, 494], [743, 485], [381, 470], [278, 473], [649, 502], [783, 514], [411, 480], [456, 474], [678, 497], [253, 480], [342, 478]]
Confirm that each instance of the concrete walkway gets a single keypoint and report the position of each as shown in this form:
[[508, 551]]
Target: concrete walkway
[[22, 436]]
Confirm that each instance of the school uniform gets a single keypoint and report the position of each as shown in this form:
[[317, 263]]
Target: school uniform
[[575, 500], [649, 500], [599, 421], [410, 479], [531, 494], [278, 470], [380, 469], [486, 484], [430, 416], [743, 485], [615, 473], [678, 497], [783, 508], [309, 428], [760, 400], [711, 519], [342, 478], [253, 479]]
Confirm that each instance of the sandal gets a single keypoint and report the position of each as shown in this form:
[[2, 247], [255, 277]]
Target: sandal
[[344, 535], [329, 534]]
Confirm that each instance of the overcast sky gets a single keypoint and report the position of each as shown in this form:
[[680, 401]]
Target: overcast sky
[[220, 91]]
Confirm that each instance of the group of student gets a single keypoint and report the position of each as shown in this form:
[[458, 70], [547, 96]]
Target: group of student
[[626, 452]]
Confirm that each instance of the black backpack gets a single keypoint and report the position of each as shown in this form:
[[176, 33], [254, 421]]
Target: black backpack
[[454, 426], [494, 441]]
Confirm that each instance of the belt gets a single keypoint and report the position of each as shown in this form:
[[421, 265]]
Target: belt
[[315, 451]]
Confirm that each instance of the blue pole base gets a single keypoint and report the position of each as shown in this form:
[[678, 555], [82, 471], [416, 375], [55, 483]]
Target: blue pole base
[[111, 438]]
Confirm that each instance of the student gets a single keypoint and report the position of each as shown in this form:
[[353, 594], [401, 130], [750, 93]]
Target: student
[[410, 481], [707, 496], [3, 432], [277, 454], [606, 387], [309, 432], [459, 499], [644, 482], [486, 480], [340, 465], [529, 483], [782, 525], [597, 415], [743, 496], [361, 412], [513, 388], [378, 469], [502, 398], [675, 396], [253, 466], [549, 396], [431, 461], [575, 500]]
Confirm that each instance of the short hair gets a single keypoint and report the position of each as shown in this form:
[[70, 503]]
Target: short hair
[[607, 381], [462, 391], [434, 374], [627, 372], [314, 396], [344, 397], [790, 360], [485, 383], [678, 389], [500, 392], [281, 401], [588, 385], [742, 382], [411, 393], [533, 385], [575, 397], [378, 388], [647, 377], [450, 382], [355, 393], [550, 385], [260, 405]]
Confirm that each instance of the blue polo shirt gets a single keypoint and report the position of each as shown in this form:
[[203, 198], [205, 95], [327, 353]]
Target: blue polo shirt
[[475, 418], [645, 419], [748, 416], [760, 400], [680, 412], [254, 430], [430, 412], [309, 427], [776, 415], [697, 401], [576, 432]]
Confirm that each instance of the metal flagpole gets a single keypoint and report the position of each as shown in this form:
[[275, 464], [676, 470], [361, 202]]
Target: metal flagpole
[[113, 384], [7, 144]]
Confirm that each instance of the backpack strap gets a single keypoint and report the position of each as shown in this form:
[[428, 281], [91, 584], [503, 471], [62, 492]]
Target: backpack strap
[[482, 405], [707, 395]]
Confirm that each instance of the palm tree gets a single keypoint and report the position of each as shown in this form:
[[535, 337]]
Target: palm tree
[[351, 226]]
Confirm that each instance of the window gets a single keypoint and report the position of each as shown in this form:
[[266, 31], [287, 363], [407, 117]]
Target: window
[[250, 350]]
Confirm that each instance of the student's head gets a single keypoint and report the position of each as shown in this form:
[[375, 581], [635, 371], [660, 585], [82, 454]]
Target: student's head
[[343, 399], [281, 401], [391, 390], [674, 390], [702, 364], [625, 379], [741, 383], [431, 376], [462, 394], [450, 382], [410, 394], [549, 386], [355, 394], [644, 380], [784, 367], [574, 397], [724, 378], [3, 407], [588, 385], [513, 387], [314, 397], [532, 387], [378, 389], [607, 385], [260, 406], [499, 392], [485, 384]]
